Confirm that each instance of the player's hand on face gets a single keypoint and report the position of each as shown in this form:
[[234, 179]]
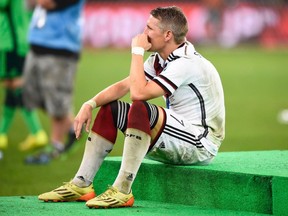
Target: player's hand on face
[[141, 40], [84, 117]]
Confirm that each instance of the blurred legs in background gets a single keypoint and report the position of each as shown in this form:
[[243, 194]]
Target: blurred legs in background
[[50, 69], [48, 85], [13, 49], [10, 74]]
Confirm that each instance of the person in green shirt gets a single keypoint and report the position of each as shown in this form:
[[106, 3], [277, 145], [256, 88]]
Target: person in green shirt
[[14, 21]]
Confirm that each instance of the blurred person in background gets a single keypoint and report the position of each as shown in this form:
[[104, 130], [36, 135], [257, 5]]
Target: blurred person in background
[[55, 44], [214, 19], [14, 20], [188, 131]]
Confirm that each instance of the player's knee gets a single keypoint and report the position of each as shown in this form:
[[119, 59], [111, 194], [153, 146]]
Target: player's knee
[[104, 125], [110, 117], [103, 114], [138, 116]]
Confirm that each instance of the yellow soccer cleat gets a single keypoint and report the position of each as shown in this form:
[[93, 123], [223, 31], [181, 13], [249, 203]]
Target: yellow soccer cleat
[[111, 198], [67, 193], [3, 141], [38, 140]]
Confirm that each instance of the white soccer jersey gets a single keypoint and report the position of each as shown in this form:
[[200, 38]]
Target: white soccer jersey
[[193, 89]]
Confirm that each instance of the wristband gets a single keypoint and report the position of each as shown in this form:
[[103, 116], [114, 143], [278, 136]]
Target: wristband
[[91, 103], [138, 51]]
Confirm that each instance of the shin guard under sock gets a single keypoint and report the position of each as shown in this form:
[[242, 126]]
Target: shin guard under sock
[[136, 145], [135, 148], [96, 149]]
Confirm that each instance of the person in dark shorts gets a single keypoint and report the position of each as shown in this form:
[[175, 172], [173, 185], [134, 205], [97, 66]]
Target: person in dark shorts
[[50, 67]]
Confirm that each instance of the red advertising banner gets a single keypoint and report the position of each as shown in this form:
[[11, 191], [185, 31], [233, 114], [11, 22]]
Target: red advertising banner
[[111, 24]]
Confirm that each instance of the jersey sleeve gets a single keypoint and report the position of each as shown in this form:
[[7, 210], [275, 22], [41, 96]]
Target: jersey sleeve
[[173, 76], [149, 68]]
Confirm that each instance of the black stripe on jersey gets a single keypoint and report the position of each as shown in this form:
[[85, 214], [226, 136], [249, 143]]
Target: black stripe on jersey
[[148, 75], [182, 135], [163, 87], [185, 50], [168, 81], [183, 44], [172, 57], [203, 111]]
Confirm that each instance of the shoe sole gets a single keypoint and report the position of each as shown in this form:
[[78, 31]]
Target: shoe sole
[[55, 201], [83, 198], [128, 204]]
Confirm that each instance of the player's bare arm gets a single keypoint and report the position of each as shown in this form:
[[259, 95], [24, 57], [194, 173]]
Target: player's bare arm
[[140, 88], [109, 94]]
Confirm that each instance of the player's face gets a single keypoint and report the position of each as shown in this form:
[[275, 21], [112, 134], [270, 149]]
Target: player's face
[[155, 35]]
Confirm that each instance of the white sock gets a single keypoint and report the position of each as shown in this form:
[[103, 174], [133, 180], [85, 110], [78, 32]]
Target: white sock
[[136, 145], [96, 149]]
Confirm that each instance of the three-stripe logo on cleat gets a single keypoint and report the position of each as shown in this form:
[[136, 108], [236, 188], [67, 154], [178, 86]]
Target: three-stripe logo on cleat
[[65, 193]]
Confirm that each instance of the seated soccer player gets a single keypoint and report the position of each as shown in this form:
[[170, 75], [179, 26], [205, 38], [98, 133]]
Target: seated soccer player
[[189, 130]]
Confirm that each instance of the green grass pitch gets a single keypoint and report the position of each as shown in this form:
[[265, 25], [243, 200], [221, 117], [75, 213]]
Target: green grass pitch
[[255, 87]]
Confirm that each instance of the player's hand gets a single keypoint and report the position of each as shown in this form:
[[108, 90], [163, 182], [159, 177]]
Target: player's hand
[[84, 117], [141, 40]]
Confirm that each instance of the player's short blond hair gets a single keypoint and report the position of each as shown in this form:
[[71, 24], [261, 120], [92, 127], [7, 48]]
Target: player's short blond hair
[[172, 18]]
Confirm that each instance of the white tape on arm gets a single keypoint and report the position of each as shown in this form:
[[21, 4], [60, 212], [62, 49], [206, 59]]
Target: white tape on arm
[[138, 51], [91, 103]]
